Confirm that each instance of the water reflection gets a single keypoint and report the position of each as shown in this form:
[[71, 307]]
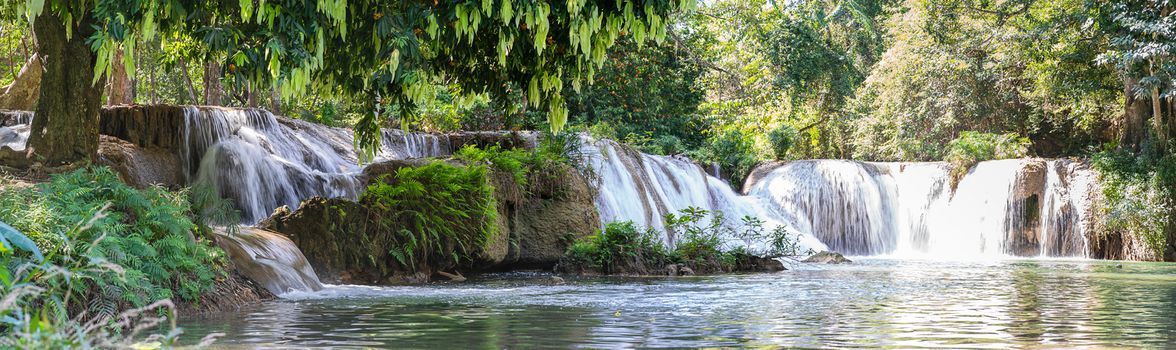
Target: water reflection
[[873, 303]]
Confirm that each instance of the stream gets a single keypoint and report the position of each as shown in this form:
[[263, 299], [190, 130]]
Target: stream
[[874, 302]]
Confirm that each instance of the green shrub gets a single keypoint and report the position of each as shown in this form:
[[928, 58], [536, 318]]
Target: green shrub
[[148, 233], [517, 162], [620, 248], [782, 138], [1140, 193], [973, 147], [434, 215]]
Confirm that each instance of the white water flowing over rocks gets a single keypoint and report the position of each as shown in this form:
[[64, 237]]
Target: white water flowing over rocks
[[909, 208], [643, 188], [263, 162], [1020, 207]]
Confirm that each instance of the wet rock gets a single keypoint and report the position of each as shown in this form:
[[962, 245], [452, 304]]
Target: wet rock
[[685, 271], [672, 270], [751, 263], [827, 257], [557, 280]]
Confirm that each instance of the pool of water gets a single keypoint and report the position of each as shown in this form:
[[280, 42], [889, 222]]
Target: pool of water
[[871, 303]]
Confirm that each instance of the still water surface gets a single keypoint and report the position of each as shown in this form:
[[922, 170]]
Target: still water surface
[[871, 303]]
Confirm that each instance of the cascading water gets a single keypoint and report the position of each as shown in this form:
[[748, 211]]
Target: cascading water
[[643, 188], [14, 129], [263, 162], [270, 259], [1017, 207]]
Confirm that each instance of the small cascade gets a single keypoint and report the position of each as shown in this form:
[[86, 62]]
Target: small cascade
[[15, 129], [643, 188], [270, 259], [263, 162]]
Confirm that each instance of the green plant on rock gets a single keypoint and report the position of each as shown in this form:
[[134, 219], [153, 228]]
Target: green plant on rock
[[433, 215], [517, 162], [698, 238]]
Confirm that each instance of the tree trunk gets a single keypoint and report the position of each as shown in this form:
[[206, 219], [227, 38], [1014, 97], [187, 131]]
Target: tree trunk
[[1158, 119], [213, 91], [121, 92], [65, 128], [188, 81], [22, 93], [1134, 129], [275, 101]]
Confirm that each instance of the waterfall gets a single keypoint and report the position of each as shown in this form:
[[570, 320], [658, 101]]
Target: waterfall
[[1006, 207], [263, 162], [270, 259], [15, 129], [643, 188]]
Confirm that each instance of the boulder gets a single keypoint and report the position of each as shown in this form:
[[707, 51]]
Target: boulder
[[557, 208], [827, 257], [140, 167]]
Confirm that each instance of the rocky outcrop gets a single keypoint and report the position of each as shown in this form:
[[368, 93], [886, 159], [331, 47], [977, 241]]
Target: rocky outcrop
[[827, 257], [23, 93], [140, 167], [557, 208], [534, 226], [1023, 225], [159, 126], [231, 292], [504, 139]]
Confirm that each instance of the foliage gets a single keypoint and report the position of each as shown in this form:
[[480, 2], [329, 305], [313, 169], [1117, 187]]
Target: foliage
[[149, 234], [696, 240], [424, 214], [974, 147], [1140, 197], [645, 92], [620, 248], [736, 153], [782, 138], [1024, 67], [40, 294], [15, 46], [516, 162], [384, 53], [92, 263]]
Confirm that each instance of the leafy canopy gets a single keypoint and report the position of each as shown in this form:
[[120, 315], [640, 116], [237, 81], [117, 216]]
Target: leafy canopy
[[384, 52]]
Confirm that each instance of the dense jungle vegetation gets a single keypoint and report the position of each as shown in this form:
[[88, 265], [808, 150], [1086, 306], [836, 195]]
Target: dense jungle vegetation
[[730, 82]]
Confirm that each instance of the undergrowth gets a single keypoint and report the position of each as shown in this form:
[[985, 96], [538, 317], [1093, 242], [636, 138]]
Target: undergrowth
[[92, 263], [974, 147]]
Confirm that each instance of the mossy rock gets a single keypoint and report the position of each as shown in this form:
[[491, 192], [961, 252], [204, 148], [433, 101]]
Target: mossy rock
[[827, 257]]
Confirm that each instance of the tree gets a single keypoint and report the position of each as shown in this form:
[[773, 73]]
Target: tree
[[1143, 50], [378, 52]]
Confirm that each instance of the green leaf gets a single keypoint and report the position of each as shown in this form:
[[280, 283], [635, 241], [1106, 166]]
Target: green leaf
[[10, 237]]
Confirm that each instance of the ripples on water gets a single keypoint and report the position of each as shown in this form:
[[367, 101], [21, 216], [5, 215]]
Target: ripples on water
[[872, 303]]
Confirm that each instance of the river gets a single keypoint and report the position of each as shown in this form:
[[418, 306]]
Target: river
[[1017, 303]]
